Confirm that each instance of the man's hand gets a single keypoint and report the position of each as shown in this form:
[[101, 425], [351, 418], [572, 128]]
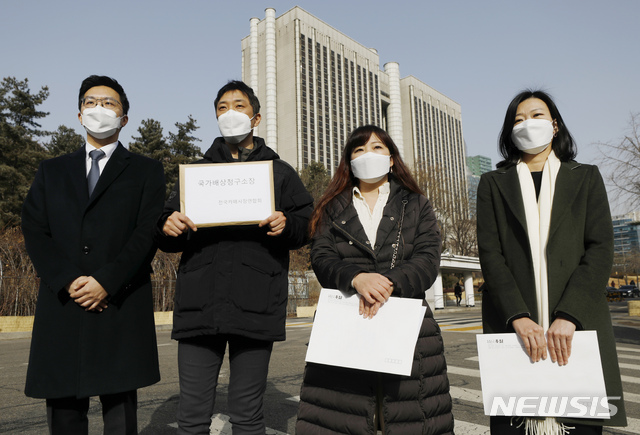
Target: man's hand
[[559, 337], [276, 222], [76, 284], [91, 296], [373, 287], [177, 224], [532, 336]]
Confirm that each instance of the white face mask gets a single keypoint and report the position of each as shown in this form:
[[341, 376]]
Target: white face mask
[[234, 126], [101, 123], [533, 135], [371, 167]]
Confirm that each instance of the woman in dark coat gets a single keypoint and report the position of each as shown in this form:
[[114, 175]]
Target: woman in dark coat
[[375, 233], [546, 248]]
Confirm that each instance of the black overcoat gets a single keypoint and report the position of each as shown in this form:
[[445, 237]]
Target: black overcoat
[[579, 259], [76, 353], [342, 400]]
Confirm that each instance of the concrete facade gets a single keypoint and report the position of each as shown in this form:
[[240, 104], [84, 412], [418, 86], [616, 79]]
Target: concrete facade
[[317, 85]]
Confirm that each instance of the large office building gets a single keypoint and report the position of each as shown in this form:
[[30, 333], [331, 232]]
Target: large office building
[[316, 85], [478, 165], [626, 233]]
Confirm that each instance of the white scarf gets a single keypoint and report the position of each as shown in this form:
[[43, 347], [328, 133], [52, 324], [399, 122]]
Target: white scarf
[[538, 216]]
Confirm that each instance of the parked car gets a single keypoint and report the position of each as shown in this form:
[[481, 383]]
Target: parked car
[[629, 291], [613, 294]]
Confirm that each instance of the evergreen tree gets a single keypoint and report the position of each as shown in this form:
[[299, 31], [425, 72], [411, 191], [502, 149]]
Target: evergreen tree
[[64, 140], [315, 178], [20, 151], [151, 143], [183, 150]]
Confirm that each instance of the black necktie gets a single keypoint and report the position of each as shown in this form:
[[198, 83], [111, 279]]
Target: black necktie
[[94, 172]]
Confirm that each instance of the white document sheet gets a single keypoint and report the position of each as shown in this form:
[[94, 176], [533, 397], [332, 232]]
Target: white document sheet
[[213, 194], [513, 385], [386, 343]]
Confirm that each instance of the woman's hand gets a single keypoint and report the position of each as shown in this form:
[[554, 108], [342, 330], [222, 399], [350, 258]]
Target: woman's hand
[[373, 287], [368, 310], [559, 338], [532, 335]]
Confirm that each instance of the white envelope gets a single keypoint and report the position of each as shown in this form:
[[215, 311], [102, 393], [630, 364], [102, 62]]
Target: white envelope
[[386, 343], [513, 385]]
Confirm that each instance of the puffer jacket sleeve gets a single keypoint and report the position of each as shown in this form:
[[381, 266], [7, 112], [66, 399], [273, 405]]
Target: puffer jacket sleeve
[[329, 266], [414, 276], [169, 243]]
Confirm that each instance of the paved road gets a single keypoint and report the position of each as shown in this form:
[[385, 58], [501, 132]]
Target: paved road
[[158, 403]]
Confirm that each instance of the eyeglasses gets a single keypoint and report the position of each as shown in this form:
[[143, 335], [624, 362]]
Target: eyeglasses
[[107, 103]]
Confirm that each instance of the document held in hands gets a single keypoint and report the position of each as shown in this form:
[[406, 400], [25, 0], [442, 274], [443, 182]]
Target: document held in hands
[[513, 385], [385, 343], [214, 194]]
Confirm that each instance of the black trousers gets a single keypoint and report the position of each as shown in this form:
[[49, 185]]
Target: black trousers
[[503, 426], [199, 362], [68, 416]]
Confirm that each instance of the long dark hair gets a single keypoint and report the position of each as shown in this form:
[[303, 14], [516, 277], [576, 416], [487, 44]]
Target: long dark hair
[[563, 144], [344, 179]]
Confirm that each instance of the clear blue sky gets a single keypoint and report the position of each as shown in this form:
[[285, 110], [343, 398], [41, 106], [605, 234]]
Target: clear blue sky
[[172, 56]]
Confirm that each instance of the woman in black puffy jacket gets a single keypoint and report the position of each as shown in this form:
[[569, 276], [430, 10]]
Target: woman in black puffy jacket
[[374, 233]]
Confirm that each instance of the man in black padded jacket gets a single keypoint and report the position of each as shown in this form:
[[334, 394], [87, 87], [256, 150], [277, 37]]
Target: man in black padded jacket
[[232, 282]]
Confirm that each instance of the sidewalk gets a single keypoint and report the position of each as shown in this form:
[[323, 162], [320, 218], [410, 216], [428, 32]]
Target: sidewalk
[[619, 317]]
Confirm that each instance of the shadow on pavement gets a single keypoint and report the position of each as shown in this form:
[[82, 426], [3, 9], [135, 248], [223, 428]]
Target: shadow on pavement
[[162, 417]]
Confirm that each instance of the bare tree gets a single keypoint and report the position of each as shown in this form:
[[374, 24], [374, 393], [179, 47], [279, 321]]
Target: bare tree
[[620, 161], [457, 224], [19, 285]]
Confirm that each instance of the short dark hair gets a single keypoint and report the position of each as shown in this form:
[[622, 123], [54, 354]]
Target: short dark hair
[[94, 80], [237, 85], [564, 146]]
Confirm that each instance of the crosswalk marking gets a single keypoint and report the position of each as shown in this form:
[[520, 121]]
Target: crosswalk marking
[[463, 427], [464, 371], [631, 397], [627, 349], [629, 366], [220, 426], [475, 396], [630, 379], [457, 324], [623, 356], [299, 325]]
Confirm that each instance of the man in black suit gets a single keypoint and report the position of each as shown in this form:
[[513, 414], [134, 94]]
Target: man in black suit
[[88, 224]]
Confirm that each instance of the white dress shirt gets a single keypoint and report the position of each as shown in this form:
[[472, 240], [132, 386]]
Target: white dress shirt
[[107, 149], [371, 219]]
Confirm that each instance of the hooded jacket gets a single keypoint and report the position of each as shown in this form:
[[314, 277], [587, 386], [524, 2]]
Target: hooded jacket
[[234, 279]]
